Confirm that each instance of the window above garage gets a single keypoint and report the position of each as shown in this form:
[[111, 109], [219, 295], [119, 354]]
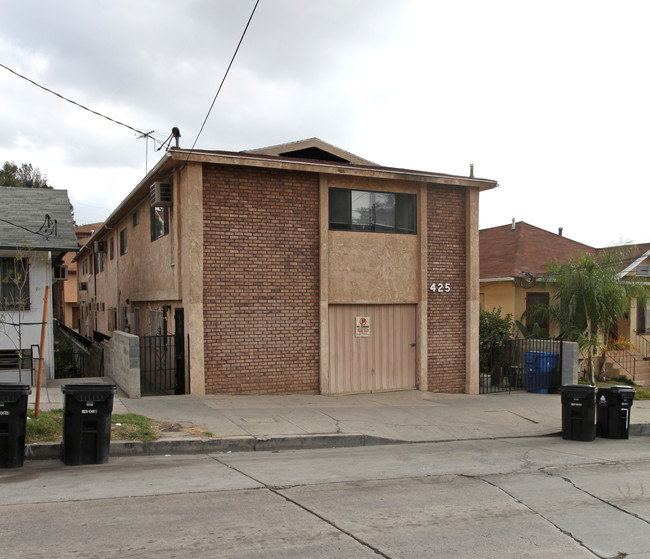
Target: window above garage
[[367, 210]]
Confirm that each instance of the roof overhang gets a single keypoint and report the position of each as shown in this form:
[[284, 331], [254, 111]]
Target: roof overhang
[[177, 158], [634, 264]]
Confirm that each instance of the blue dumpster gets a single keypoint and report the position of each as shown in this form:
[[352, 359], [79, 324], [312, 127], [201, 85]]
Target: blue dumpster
[[539, 366]]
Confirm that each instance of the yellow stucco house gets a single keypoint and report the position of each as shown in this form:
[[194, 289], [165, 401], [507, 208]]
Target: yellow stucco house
[[512, 261]]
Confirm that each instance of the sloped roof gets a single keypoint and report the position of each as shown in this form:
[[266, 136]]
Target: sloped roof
[[24, 221], [638, 255], [508, 251], [88, 229], [289, 156], [313, 149]]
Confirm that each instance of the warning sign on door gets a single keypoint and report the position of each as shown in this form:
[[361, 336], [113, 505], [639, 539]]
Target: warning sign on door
[[362, 329]]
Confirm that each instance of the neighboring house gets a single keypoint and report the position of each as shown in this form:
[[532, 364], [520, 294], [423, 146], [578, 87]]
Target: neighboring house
[[69, 313], [36, 231], [637, 328], [512, 266], [298, 268], [512, 269]]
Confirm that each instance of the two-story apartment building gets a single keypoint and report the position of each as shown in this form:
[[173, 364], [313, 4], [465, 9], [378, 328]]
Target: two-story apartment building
[[299, 268]]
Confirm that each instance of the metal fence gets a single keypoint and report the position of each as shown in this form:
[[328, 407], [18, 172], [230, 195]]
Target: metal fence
[[534, 365], [70, 353], [157, 364]]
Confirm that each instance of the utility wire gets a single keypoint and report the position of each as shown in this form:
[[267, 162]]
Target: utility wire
[[223, 80], [46, 230], [78, 104]]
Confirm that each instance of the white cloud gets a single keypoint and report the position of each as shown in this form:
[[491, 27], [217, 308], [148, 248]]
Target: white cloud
[[549, 99]]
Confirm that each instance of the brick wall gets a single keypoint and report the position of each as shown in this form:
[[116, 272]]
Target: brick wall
[[261, 280], [446, 311]]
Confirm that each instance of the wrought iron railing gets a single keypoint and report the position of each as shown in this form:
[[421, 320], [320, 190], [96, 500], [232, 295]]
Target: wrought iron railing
[[643, 344], [625, 360], [520, 364]]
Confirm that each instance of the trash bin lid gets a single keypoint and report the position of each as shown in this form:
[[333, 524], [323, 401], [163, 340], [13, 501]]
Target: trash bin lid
[[577, 390], [89, 391], [11, 391], [623, 391]]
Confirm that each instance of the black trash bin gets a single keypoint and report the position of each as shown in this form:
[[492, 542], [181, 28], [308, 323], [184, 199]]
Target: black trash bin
[[578, 412], [87, 409], [613, 411], [13, 422]]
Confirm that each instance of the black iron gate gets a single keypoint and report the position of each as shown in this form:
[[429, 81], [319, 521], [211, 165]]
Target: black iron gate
[[534, 365], [162, 361]]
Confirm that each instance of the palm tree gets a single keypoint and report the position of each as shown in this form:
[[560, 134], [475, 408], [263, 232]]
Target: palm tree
[[590, 297]]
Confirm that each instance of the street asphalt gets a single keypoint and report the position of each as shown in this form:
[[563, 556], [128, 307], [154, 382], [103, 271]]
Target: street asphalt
[[214, 423]]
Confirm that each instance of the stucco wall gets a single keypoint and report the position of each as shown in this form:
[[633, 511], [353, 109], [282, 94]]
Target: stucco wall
[[29, 331]]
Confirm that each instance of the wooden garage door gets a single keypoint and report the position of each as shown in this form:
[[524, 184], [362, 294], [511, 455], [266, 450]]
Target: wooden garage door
[[374, 357]]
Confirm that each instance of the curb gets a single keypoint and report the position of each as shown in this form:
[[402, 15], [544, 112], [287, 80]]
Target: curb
[[52, 451]]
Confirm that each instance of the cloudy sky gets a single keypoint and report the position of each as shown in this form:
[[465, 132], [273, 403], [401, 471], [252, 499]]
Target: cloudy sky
[[551, 99]]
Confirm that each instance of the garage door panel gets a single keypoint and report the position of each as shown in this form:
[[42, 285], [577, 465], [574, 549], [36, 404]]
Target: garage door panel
[[383, 361]]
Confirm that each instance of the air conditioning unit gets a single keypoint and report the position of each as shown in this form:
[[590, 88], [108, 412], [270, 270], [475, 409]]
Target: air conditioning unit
[[83, 286], [60, 273], [161, 194], [100, 246]]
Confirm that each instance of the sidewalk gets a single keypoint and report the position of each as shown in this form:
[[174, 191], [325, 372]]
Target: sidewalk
[[270, 422]]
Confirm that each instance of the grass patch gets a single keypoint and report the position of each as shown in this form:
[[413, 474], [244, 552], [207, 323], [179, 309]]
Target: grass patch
[[642, 392], [125, 427], [133, 427], [47, 428]]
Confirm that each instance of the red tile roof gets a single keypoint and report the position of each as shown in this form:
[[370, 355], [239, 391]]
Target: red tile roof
[[508, 252]]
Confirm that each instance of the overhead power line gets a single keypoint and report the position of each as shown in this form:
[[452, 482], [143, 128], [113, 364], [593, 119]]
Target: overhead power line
[[223, 80], [142, 132], [46, 230]]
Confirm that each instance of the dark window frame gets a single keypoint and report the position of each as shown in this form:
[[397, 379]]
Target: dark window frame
[[384, 212], [12, 295], [159, 222], [123, 242], [538, 298]]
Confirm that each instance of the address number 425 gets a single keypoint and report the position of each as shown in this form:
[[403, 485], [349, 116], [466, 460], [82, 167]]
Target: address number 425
[[440, 287]]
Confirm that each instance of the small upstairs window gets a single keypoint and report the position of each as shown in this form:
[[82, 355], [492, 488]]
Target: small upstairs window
[[123, 247], [367, 210], [159, 222]]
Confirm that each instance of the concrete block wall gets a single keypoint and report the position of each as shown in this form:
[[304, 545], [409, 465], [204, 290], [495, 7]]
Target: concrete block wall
[[260, 280], [570, 354], [446, 311], [122, 362]]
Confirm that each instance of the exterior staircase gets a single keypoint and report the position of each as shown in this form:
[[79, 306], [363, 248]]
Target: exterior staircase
[[636, 368]]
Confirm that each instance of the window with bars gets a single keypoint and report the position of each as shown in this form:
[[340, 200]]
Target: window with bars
[[14, 283]]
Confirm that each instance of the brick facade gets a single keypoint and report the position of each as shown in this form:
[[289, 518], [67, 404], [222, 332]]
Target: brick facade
[[446, 262], [261, 280]]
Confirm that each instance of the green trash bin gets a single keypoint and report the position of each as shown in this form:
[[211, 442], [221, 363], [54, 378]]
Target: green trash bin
[[578, 412], [613, 413], [13, 423], [87, 409]]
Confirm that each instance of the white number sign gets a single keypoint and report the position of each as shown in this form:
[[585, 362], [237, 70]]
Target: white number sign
[[440, 287]]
